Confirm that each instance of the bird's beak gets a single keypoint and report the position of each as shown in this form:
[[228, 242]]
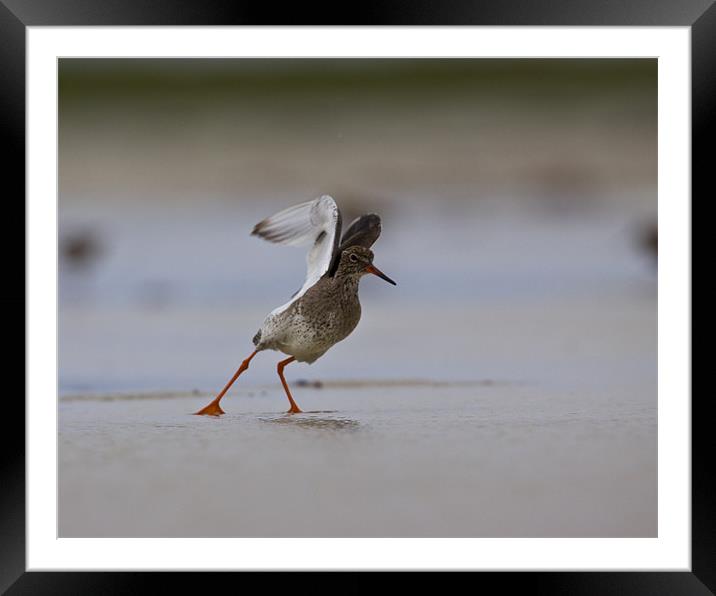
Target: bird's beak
[[375, 271]]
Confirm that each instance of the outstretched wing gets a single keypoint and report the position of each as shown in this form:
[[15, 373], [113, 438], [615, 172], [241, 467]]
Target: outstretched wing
[[316, 222], [363, 231]]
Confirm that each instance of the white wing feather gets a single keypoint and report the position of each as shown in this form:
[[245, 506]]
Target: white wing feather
[[314, 222]]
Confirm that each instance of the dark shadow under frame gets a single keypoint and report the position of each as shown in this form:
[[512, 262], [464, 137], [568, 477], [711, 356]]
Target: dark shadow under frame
[[16, 15]]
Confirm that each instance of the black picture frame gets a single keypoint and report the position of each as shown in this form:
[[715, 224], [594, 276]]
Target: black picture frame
[[17, 15]]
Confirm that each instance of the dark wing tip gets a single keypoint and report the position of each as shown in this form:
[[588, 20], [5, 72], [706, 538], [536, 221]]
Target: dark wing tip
[[261, 230], [256, 231], [364, 231]]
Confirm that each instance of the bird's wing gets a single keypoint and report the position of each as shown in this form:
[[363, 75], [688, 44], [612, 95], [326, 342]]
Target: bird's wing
[[316, 222], [363, 231]]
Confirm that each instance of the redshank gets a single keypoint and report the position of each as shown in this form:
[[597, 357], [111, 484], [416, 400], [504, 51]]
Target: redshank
[[326, 309]]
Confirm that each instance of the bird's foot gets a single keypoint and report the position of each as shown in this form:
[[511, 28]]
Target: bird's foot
[[213, 409], [294, 410]]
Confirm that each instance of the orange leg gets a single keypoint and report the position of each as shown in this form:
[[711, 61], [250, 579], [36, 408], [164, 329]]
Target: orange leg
[[214, 409], [294, 407]]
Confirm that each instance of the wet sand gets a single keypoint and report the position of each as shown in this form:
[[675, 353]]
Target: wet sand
[[482, 459]]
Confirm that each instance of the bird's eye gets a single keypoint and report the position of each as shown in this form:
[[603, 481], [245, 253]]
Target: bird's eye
[[353, 258]]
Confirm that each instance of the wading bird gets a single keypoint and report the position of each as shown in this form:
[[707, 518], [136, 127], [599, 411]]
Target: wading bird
[[326, 309]]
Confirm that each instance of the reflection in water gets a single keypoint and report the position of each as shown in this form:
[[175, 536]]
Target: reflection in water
[[308, 420]]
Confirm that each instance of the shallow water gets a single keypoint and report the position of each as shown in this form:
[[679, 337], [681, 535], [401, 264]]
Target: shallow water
[[480, 294]]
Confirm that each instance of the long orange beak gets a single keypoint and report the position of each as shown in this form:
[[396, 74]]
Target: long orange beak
[[375, 271]]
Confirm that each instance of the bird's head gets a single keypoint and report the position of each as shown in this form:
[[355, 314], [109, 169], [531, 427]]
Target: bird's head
[[356, 260]]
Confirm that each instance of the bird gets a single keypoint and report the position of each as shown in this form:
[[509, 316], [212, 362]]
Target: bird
[[326, 309]]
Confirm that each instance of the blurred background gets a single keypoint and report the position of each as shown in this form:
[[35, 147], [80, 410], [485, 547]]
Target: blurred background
[[518, 197], [506, 387]]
